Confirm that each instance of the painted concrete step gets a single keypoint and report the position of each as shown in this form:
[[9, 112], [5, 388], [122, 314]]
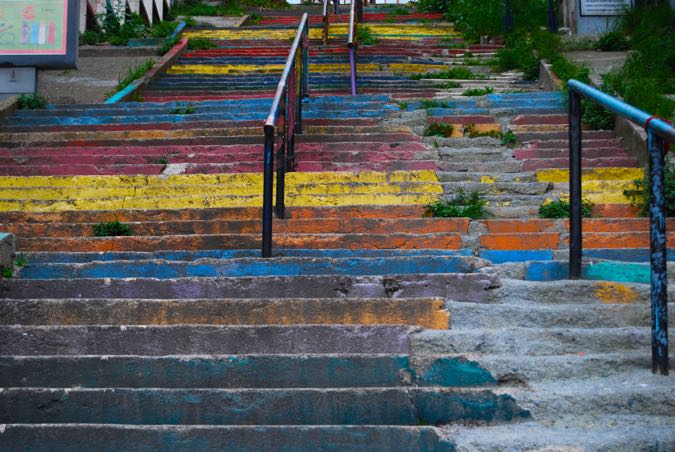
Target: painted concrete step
[[206, 340], [424, 312], [293, 226], [246, 438], [208, 214], [192, 242], [73, 257], [285, 266], [363, 406], [240, 371], [460, 287]]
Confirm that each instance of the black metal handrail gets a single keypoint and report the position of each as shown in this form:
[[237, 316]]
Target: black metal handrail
[[352, 41], [285, 120], [658, 133]]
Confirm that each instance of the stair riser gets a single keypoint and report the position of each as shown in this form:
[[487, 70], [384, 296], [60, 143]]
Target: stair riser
[[249, 407]]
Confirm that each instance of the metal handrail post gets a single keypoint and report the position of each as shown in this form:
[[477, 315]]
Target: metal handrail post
[[305, 66], [268, 181], [324, 33], [575, 185], [658, 132], [657, 231]]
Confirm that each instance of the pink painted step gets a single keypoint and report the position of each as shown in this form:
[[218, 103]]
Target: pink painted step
[[590, 153]]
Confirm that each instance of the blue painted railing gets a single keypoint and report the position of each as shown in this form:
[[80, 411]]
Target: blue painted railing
[[285, 119], [658, 132]]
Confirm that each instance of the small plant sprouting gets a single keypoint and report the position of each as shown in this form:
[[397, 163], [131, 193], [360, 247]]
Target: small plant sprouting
[[186, 110], [509, 138], [163, 161], [31, 102], [450, 85], [472, 92], [638, 194], [20, 261], [200, 44], [7, 272], [365, 36], [459, 73], [470, 205], [439, 129], [434, 103], [561, 209], [133, 74], [111, 229], [403, 105], [471, 131]]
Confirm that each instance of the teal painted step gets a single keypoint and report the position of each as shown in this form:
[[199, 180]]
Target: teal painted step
[[168, 438], [359, 406], [637, 255], [604, 271], [54, 258], [289, 266], [239, 371]]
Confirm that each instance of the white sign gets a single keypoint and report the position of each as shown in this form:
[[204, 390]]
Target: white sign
[[17, 80], [604, 7]]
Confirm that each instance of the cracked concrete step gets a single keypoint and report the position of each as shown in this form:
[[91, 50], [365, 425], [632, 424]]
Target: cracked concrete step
[[559, 315], [532, 341], [630, 393], [424, 312], [499, 188], [625, 433], [356, 406], [496, 166], [203, 339], [458, 286], [175, 438], [240, 371], [477, 176]]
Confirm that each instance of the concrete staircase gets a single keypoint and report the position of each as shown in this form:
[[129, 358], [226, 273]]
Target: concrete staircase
[[373, 327]]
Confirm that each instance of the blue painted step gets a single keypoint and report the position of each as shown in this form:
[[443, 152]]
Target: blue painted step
[[239, 371], [290, 266]]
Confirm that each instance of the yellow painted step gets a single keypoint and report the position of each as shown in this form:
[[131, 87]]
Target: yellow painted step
[[619, 173], [56, 193], [382, 31]]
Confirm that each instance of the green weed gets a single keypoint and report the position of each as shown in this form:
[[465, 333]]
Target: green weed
[[31, 102], [112, 229], [200, 44], [472, 92], [440, 129], [638, 194], [365, 36], [470, 205], [561, 209]]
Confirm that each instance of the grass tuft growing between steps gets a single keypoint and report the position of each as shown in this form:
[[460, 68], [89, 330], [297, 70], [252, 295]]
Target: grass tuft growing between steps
[[639, 193], [31, 102], [200, 44], [133, 74], [365, 36], [474, 92], [561, 209], [112, 229], [439, 129], [459, 73], [471, 205]]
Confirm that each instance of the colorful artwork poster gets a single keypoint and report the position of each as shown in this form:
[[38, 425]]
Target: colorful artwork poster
[[604, 7], [35, 27]]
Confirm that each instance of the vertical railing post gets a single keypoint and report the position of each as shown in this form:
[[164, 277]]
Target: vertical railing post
[[336, 7], [575, 184], [552, 22], [287, 110], [359, 10], [268, 188], [305, 65], [657, 230]]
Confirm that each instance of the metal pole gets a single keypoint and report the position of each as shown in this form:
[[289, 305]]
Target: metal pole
[[305, 65], [359, 10], [552, 20], [508, 19], [575, 184], [352, 67], [268, 192], [657, 228]]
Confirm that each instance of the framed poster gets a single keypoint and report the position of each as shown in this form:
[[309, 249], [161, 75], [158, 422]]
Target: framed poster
[[41, 33], [604, 7]]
